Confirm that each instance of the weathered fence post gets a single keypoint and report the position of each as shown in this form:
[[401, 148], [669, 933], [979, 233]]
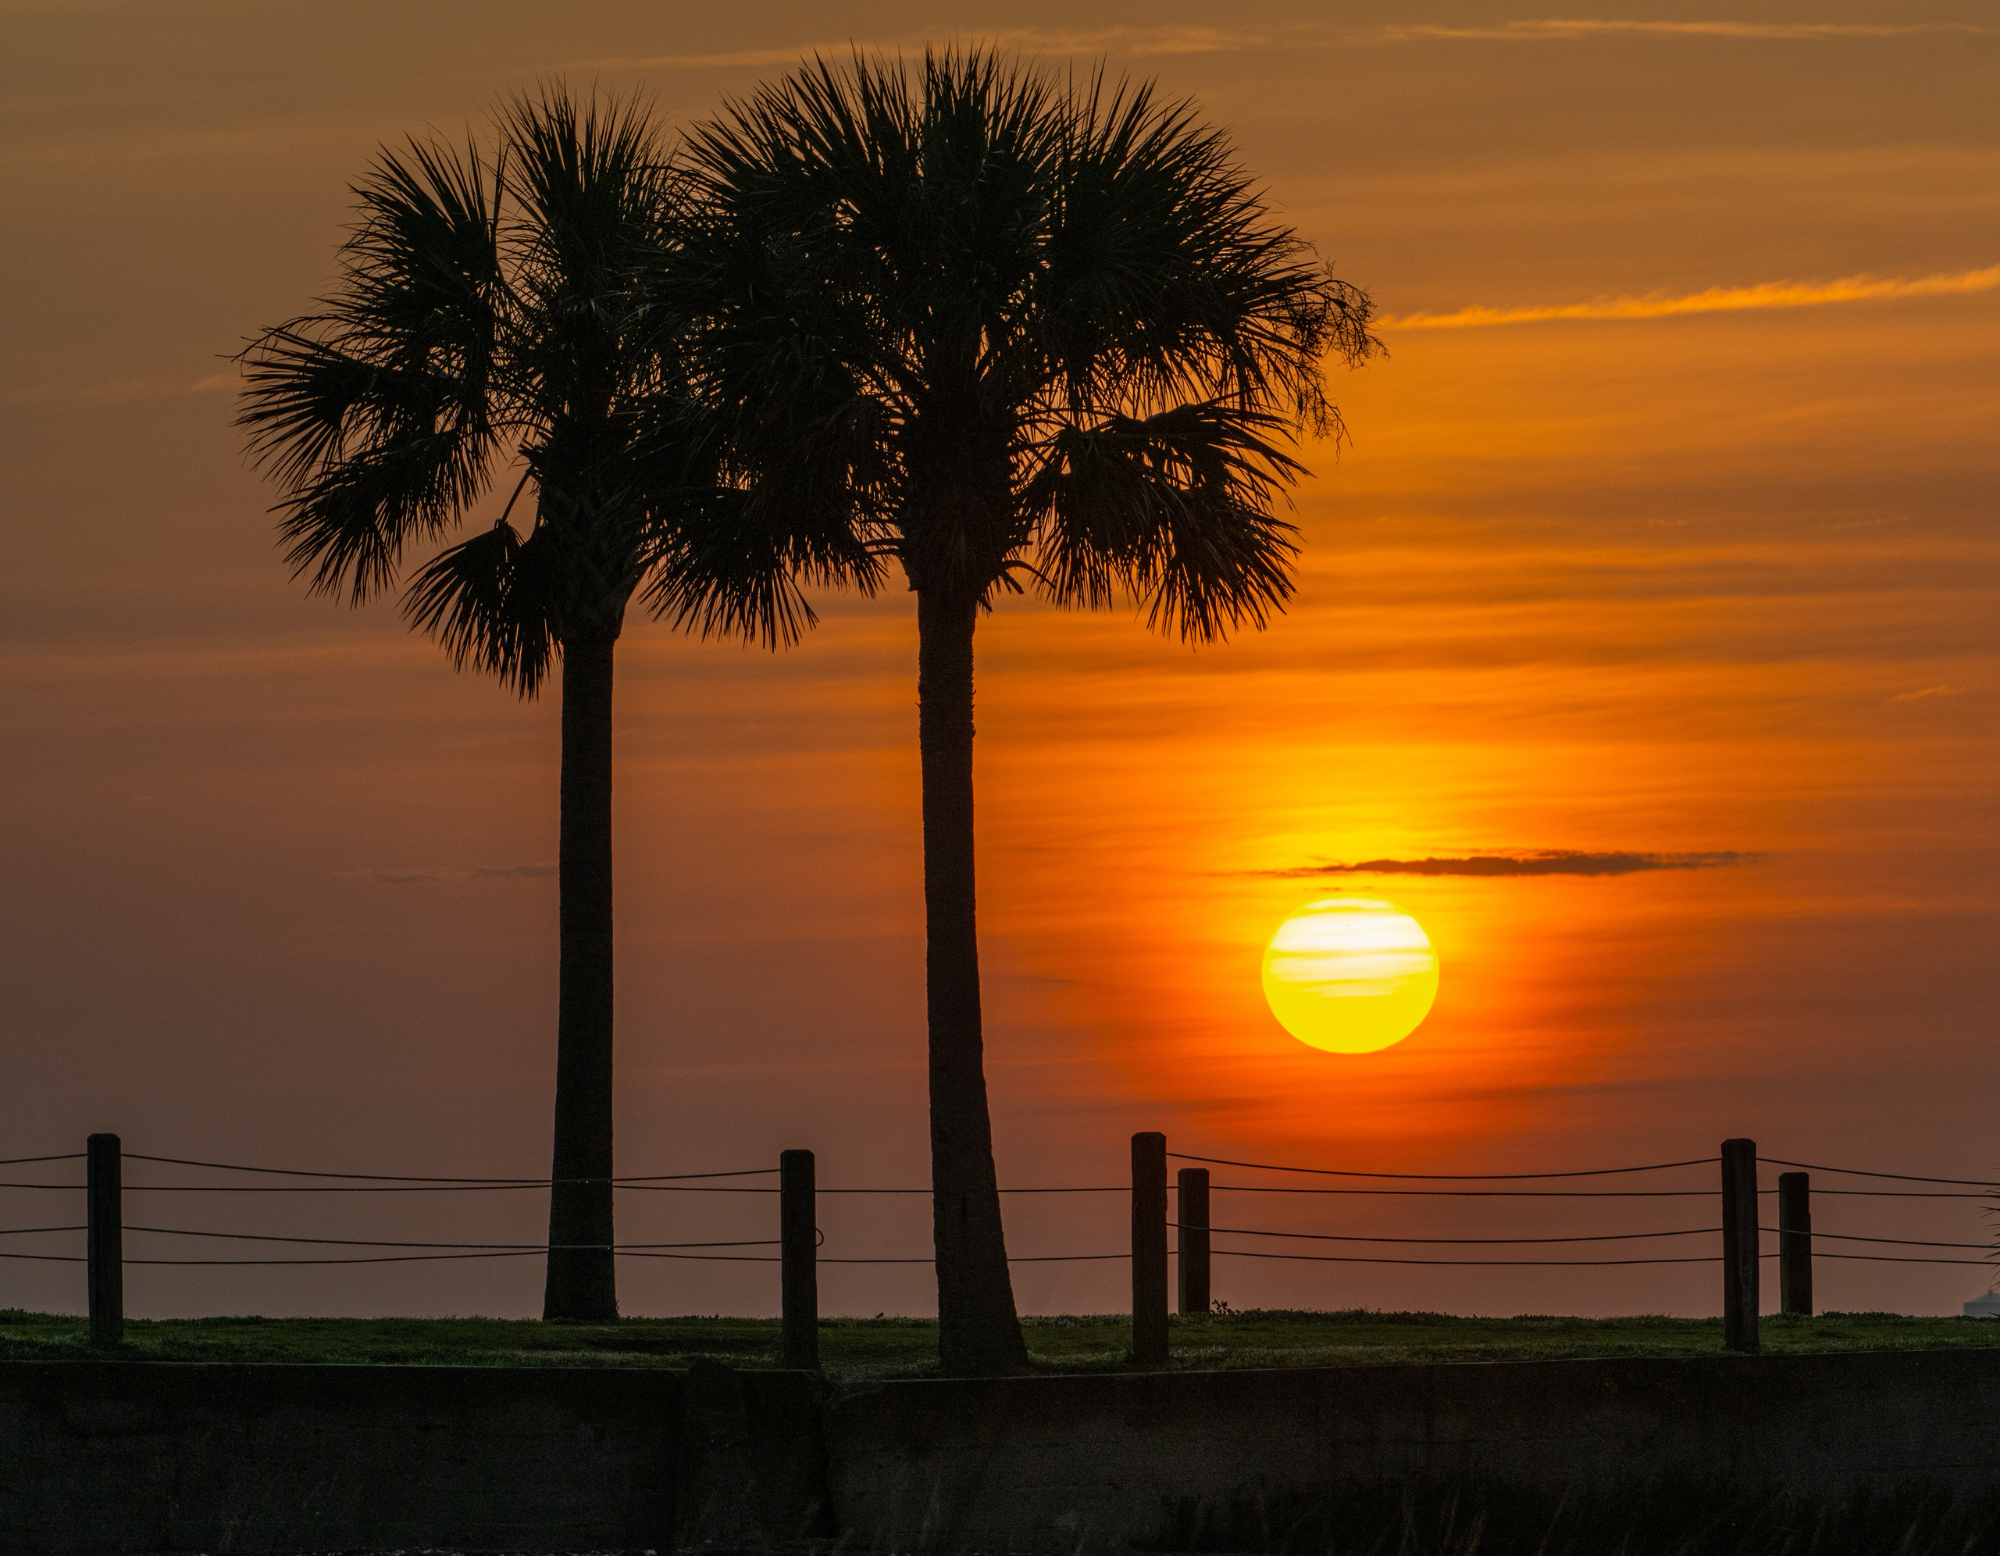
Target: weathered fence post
[[1149, 1249], [104, 1250], [798, 1250], [1795, 1243], [1191, 1207], [1739, 1245]]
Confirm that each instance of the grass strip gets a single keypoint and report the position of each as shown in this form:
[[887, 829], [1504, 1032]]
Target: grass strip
[[858, 1349]]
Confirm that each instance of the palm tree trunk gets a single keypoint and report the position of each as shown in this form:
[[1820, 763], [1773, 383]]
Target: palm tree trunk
[[978, 1329], [582, 1281]]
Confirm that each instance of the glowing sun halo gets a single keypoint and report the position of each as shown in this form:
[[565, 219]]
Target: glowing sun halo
[[1350, 974]]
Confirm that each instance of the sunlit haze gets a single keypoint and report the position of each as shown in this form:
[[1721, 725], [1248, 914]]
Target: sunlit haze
[[1644, 654]]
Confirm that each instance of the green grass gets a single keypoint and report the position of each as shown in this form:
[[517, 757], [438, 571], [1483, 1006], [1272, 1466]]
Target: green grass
[[854, 1349]]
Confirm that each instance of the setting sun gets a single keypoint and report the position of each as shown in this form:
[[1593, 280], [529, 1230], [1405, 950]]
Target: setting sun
[[1350, 974]]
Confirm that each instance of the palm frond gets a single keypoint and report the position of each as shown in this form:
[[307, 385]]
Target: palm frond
[[376, 415], [597, 189], [737, 565], [424, 278], [491, 602], [347, 531], [1173, 510], [1169, 279]]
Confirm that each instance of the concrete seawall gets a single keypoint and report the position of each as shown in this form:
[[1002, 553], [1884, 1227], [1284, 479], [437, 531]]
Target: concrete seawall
[[100, 1459], [104, 1458], [1263, 1461]]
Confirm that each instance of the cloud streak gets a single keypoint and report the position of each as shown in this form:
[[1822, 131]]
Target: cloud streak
[[446, 875], [1138, 41], [1717, 299], [1558, 28], [119, 389], [1170, 39], [1504, 864]]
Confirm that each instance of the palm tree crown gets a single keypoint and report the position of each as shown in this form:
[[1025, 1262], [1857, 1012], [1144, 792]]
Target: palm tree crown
[[1015, 333], [1069, 303]]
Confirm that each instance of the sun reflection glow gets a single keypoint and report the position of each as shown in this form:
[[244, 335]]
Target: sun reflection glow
[[1350, 974]]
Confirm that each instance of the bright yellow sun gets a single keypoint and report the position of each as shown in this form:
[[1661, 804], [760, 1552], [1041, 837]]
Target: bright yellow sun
[[1350, 974]]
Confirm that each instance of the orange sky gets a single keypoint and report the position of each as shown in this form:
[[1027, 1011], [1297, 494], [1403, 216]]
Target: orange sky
[[1668, 581]]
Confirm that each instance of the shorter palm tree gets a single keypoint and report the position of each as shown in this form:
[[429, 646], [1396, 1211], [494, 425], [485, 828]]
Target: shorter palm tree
[[517, 304], [1020, 334]]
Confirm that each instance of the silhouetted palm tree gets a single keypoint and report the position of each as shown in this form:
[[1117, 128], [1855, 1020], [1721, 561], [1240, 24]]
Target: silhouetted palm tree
[[513, 307], [1023, 334]]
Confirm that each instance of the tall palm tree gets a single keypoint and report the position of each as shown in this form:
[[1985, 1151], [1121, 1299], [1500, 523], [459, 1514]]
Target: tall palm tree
[[512, 306], [1021, 333]]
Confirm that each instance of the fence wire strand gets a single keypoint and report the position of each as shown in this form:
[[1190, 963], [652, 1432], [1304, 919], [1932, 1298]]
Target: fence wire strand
[[1347, 1237], [1862, 1172], [1330, 1258], [407, 1177], [1852, 1237], [1269, 1188], [382, 1242], [1448, 1177]]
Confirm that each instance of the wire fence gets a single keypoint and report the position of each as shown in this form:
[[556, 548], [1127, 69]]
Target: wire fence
[[1355, 1182], [1990, 1191]]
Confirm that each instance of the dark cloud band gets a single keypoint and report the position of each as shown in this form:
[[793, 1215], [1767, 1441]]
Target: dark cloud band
[[442, 876], [1546, 861]]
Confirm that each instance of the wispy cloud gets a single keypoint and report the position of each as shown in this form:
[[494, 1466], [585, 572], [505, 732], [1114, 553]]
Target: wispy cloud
[[1517, 862], [1179, 39], [791, 54], [1925, 691], [1591, 27], [1717, 299], [118, 389], [445, 874], [1138, 41]]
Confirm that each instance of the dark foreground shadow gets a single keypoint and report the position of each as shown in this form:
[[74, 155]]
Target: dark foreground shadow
[[1667, 1519]]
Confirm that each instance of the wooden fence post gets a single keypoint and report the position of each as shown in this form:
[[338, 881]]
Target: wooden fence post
[[798, 1251], [1795, 1243], [1149, 1249], [1739, 1245], [104, 1250], [1191, 1207]]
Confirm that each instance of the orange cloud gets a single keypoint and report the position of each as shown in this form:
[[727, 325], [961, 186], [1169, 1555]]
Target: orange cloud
[[1717, 299], [1585, 27], [1175, 38], [119, 389], [1137, 41]]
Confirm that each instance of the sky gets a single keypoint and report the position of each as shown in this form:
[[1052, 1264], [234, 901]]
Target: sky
[[1661, 562]]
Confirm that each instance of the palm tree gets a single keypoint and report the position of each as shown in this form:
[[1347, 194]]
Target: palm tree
[[513, 306], [1019, 333]]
